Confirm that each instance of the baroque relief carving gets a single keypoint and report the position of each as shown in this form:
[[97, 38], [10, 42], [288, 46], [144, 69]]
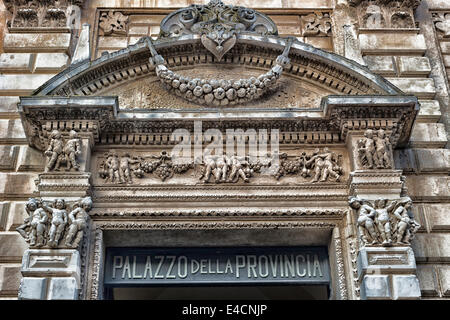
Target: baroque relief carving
[[383, 223], [322, 165], [316, 24], [442, 23], [51, 226], [112, 23], [59, 152], [40, 13], [386, 13], [375, 150]]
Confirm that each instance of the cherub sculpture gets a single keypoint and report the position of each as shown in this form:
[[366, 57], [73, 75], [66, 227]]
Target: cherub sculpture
[[405, 226], [35, 225], [55, 151], [382, 146], [366, 223], [72, 149], [366, 149], [78, 221], [383, 220], [59, 221]]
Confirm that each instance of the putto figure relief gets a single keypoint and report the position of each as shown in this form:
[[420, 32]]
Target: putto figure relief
[[374, 150], [47, 225], [381, 223], [226, 169], [59, 153]]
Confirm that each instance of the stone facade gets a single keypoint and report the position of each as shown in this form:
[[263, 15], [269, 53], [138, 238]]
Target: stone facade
[[355, 93]]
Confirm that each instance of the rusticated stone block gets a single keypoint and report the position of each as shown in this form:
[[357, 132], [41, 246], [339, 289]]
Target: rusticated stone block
[[383, 65], [35, 42], [63, 289], [405, 160], [8, 105], [438, 216], [9, 283], [31, 159], [33, 288], [405, 287], [428, 186], [8, 157], [17, 184], [16, 84], [427, 280], [112, 42], [375, 287], [412, 66], [437, 160], [429, 111], [16, 62], [12, 247], [50, 62], [11, 131], [431, 247], [17, 215], [4, 209], [423, 88], [428, 135], [393, 43], [444, 278]]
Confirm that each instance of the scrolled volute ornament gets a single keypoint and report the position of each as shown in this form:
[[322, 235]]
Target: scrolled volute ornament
[[214, 92]]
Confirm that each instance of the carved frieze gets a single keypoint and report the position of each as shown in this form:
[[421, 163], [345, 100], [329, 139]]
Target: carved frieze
[[385, 13], [40, 13], [384, 223], [442, 23], [315, 166], [316, 24], [53, 225]]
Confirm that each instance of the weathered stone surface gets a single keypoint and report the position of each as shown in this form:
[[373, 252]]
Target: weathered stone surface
[[405, 287], [8, 157], [34, 42], [428, 135], [138, 30], [15, 84], [437, 160], [420, 87], [381, 64], [438, 4], [427, 280], [324, 43], [4, 209], [17, 185], [385, 260], [30, 159], [437, 216], [9, 283], [375, 287], [430, 111], [11, 131], [17, 214], [405, 159], [63, 289], [51, 62], [12, 247], [445, 47], [428, 186], [112, 43], [413, 66], [444, 278], [393, 43], [15, 62], [8, 105], [432, 247], [33, 288]]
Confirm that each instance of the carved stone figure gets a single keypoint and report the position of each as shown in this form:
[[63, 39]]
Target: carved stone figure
[[380, 223], [382, 146], [34, 228], [375, 150], [239, 168], [366, 223], [113, 165], [55, 151], [72, 149], [78, 221], [325, 165], [125, 162], [58, 222]]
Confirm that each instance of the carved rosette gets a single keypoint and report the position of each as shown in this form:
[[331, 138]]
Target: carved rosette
[[54, 225], [442, 23], [113, 23], [384, 222]]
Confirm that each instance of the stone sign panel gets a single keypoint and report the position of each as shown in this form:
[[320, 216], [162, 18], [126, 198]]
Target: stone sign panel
[[162, 266]]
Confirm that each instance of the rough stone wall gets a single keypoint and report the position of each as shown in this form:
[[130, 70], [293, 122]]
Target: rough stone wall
[[417, 60]]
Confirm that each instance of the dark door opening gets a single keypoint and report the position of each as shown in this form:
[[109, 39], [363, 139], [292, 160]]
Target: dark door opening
[[262, 292]]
